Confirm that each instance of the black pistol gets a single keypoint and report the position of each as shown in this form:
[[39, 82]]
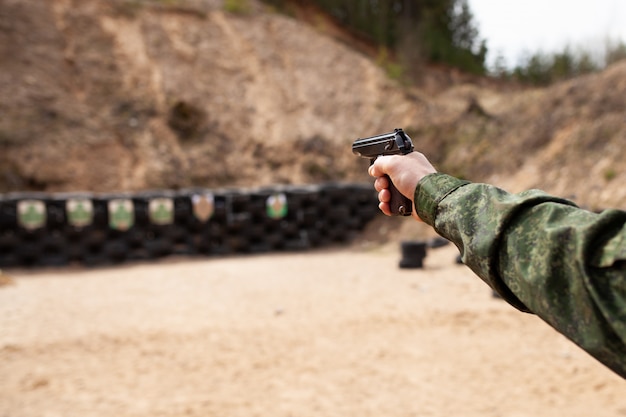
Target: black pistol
[[393, 143]]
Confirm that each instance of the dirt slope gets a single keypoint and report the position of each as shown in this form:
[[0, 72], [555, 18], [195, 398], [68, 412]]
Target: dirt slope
[[568, 139], [127, 95], [115, 98]]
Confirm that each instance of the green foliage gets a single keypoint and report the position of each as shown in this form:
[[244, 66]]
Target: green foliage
[[543, 69], [458, 42], [237, 6], [394, 70], [415, 31], [609, 174]]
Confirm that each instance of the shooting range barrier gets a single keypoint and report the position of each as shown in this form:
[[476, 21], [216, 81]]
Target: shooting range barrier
[[41, 229]]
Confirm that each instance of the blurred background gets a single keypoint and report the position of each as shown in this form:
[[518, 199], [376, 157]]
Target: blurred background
[[127, 95]]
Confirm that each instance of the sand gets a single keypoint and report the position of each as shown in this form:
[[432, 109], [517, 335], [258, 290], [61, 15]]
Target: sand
[[341, 332]]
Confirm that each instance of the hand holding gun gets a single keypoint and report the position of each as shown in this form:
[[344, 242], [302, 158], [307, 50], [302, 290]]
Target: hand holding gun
[[393, 143]]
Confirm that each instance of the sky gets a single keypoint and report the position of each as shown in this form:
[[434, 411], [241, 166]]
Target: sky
[[515, 27]]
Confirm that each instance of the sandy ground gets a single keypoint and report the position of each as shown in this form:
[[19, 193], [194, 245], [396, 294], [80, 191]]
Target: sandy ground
[[340, 332]]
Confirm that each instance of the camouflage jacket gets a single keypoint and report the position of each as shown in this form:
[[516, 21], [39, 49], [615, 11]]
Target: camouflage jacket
[[542, 254]]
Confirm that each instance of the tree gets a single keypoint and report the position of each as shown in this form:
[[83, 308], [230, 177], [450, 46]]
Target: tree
[[440, 31]]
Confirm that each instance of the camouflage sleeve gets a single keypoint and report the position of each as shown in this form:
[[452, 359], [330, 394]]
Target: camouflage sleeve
[[542, 254]]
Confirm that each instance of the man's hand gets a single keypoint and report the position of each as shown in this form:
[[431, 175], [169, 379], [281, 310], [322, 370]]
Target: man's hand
[[405, 172]]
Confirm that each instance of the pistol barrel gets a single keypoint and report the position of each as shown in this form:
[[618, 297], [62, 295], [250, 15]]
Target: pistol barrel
[[393, 143]]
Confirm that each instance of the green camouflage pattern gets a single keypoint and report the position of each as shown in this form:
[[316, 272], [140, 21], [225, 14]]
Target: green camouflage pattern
[[542, 254]]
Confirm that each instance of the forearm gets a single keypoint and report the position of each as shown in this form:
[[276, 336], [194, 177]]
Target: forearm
[[542, 254]]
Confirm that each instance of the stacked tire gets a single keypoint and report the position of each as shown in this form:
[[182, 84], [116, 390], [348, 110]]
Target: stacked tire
[[38, 229], [23, 229]]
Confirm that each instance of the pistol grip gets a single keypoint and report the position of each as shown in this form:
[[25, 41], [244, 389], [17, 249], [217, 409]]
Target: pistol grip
[[399, 204]]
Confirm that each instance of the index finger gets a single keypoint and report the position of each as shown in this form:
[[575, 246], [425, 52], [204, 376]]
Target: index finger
[[377, 169]]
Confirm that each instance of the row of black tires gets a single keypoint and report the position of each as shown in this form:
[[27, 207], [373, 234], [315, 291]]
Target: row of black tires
[[199, 222]]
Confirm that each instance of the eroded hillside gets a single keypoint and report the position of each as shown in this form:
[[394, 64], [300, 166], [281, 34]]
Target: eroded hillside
[[568, 139], [124, 95], [99, 97]]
